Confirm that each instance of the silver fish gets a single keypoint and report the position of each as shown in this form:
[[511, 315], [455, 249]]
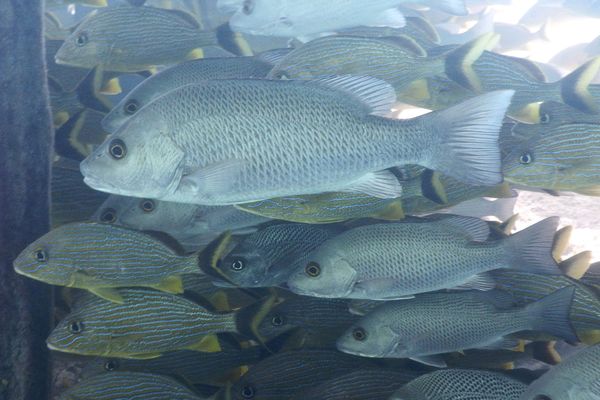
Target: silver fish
[[397, 260], [268, 150]]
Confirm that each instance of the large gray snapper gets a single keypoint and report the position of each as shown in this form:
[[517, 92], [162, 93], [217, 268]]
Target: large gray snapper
[[185, 146]]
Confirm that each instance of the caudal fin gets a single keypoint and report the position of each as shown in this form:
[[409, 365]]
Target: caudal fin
[[551, 314], [530, 250], [467, 139], [459, 62], [575, 87]]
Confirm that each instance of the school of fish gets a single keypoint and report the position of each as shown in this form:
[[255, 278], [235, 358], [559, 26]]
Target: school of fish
[[241, 208]]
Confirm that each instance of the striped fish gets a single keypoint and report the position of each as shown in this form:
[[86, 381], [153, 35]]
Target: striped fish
[[527, 288], [286, 374], [560, 157], [130, 386], [101, 257], [148, 324], [377, 384], [398, 60], [194, 367]]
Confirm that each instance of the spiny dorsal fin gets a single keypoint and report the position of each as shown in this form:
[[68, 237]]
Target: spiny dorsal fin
[[375, 94]]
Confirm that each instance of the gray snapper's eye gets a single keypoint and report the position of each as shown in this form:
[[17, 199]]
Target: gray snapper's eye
[[111, 365], [277, 320], [248, 392], [312, 269], [147, 205], [359, 334], [131, 107], [248, 7], [40, 255], [526, 158], [544, 118], [76, 327], [117, 149], [109, 215], [81, 39], [238, 264]]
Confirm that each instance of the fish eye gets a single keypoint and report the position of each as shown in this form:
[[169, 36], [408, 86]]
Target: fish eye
[[248, 392], [111, 365], [526, 158], [238, 264], [109, 215], [76, 327], [117, 149], [131, 107], [544, 118], [248, 7], [41, 255], [359, 334], [81, 39], [313, 269], [277, 320], [147, 205]]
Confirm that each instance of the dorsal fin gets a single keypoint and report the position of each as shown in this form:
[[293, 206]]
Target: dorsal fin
[[375, 94], [476, 229], [187, 17], [274, 56], [405, 42], [425, 27]]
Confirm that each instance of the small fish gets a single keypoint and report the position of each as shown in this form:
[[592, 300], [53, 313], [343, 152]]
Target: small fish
[[309, 314], [288, 373], [179, 75], [376, 384], [157, 155], [555, 157], [268, 256], [192, 366], [102, 257], [193, 226], [461, 384], [398, 60], [386, 261], [526, 288], [436, 323], [311, 18], [72, 200], [147, 324], [576, 378], [129, 385], [111, 38]]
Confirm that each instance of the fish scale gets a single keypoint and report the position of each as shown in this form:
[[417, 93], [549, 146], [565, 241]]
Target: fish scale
[[148, 322]]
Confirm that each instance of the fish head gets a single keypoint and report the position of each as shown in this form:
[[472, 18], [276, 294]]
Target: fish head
[[263, 17], [49, 259], [89, 45], [277, 321], [112, 209], [372, 336], [245, 265], [140, 160], [120, 113], [326, 274]]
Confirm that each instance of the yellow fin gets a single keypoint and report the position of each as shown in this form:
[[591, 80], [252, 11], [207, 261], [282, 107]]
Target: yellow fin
[[509, 225], [109, 294], [459, 62], [171, 284], [96, 3], [220, 301], [392, 212], [589, 337], [433, 188], [589, 191], [575, 267], [562, 237], [153, 70], [111, 87], [195, 54], [575, 87], [501, 191], [520, 347], [546, 352], [208, 344], [508, 366], [143, 356], [243, 46], [529, 113], [417, 90], [60, 118]]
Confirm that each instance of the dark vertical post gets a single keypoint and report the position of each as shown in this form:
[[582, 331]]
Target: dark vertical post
[[26, 140]]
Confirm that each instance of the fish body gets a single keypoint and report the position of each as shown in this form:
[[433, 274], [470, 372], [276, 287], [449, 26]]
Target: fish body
[[101, 257], [192, 366], [377, 384], [461, 384], [129, 385], [110, 38], [311, 18], [179, 75], [395, 260], [270, 151], [146, 325], [288, 373], [435, 323], [193, 226], [268, 256], [576, 378], [527, 288]]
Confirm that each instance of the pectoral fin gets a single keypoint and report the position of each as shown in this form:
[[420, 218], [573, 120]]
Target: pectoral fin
[[109, 294]]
